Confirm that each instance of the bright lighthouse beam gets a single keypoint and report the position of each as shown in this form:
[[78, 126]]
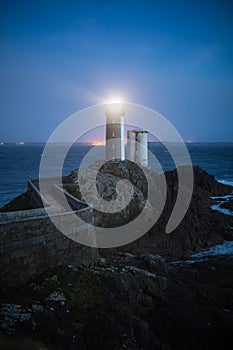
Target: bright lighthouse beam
[[115, 99], [115, 104]]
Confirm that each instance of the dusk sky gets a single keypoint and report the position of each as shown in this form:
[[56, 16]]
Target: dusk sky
[[58, 57]]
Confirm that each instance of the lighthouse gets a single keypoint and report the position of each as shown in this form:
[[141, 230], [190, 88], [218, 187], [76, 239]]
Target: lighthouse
[[115, 145], [137, 147]]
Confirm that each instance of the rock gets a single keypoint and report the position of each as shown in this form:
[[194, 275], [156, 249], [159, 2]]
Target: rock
[[22, 202], [155, 262], [200, 228], [227, 205], [117, 306], [156, 306], [57, 296]]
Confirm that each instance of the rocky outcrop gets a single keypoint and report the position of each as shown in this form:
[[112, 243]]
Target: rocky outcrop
[[201, 227], [106, 184], [124, 302], [105, 306], [22, 202]]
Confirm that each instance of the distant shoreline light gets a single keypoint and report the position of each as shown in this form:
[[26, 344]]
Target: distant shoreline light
[[97, 143]]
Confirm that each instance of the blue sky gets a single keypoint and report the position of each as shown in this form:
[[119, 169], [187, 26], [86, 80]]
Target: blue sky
[[58, 57]]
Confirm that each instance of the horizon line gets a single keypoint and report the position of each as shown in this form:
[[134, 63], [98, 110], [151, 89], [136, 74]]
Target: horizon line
[[22, 143]]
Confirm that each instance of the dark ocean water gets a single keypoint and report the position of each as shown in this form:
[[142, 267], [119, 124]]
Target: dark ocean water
[[18, 163]]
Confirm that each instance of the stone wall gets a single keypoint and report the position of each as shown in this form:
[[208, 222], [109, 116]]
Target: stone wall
[[21, 214], [30, 243]]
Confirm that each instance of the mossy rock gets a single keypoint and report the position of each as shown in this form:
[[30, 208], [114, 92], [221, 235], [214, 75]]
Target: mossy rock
[[87, 298], [8, 342], [81, 289]]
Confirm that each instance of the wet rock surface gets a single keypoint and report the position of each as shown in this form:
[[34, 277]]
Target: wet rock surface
[[124, 302], [227, 205]]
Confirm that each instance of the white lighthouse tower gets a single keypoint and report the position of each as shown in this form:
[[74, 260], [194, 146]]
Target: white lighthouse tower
[[137, 147], [115, 145]]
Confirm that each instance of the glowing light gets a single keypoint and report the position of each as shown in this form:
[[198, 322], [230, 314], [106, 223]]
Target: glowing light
[[115, 99], [115, 104], [97, 143]]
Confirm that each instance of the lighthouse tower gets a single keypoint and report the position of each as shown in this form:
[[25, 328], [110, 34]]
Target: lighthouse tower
[[137, 146], [115, 146]]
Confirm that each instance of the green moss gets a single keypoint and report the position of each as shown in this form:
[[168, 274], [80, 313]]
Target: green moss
[[84, 294], [87, 298]]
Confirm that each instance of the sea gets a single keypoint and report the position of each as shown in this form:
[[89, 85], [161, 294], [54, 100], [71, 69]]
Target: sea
[[18, 163]]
